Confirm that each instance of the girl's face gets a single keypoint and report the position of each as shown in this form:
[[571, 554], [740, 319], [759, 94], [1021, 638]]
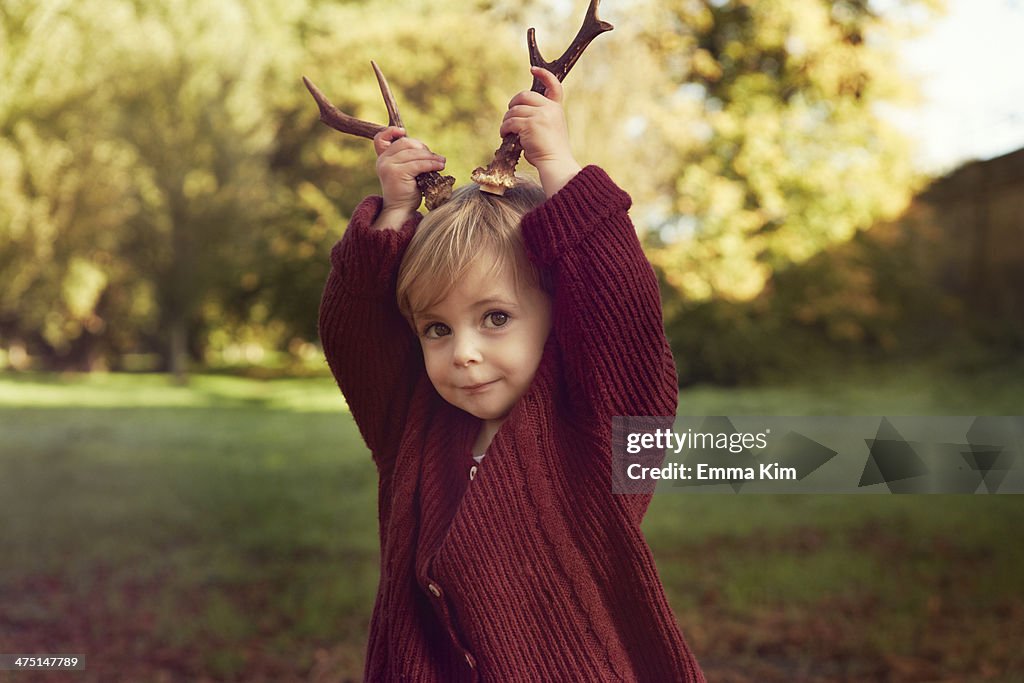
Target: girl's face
[[483, 342]]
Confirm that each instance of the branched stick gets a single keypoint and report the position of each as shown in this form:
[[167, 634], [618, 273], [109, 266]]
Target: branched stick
[[500, 174], [394, 118], [339, 120], [435, 188]]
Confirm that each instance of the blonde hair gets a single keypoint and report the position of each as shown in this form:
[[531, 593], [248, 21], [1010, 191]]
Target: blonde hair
[[471, 225]]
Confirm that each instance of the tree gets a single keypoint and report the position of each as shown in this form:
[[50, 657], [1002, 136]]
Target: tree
[[62, 196], [166, 185], [775, 145]]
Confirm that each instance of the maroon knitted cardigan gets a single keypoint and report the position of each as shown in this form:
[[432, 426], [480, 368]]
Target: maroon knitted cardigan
[[533, 570]]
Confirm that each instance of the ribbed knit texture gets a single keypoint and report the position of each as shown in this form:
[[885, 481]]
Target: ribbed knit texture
[[543, 573]]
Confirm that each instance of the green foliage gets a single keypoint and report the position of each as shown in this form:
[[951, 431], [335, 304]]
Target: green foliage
[[167, 188], [140, 178], [871, 297], [197, 190], [777, 148], [62, 188]]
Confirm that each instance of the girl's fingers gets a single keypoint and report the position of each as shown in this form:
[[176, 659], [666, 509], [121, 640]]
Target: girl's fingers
[[384, 139], [414, 168], [403, 144], [512, 124], [525, 111], [404, 150], [411, 169], [409, 166], [414, 154], [520, 114], [553, 91], [528, 98], [552, 86]]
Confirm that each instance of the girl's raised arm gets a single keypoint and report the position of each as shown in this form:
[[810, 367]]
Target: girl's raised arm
[[369, 346], [606, 308]]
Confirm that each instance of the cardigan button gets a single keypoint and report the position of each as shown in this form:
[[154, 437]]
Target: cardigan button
[[433, 588], [472, 472], [470, 661]]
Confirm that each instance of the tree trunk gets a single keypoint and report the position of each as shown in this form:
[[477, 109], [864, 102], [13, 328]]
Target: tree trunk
[[177, 358]]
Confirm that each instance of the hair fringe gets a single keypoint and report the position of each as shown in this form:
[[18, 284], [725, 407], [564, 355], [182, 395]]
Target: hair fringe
[[450, 239]]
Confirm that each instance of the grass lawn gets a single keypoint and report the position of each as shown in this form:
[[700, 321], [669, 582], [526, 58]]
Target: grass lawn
[[226, 531]]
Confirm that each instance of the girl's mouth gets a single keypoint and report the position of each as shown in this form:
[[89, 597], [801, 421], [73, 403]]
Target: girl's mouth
[[477, 388]]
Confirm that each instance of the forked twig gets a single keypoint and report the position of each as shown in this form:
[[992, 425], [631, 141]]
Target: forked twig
[[500, 173], [339, 120], [435, 188], [394, 118]]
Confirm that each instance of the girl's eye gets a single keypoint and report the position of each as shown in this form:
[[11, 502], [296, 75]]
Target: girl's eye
[[497, 318], [436, 330]]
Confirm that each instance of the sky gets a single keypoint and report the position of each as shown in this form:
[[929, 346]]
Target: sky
[[970, 68]]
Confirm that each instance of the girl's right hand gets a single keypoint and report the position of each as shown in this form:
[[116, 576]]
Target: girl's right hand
[[399, 160]]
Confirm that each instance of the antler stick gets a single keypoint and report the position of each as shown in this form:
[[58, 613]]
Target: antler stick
[[339, 120], [435, 188], [500, 174]]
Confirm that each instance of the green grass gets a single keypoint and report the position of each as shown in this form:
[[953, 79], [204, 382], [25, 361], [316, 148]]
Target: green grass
[[227, 529], [36, 390]]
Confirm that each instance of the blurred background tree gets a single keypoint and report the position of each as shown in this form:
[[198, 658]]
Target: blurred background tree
[[777, 151], [140, 181], [64, 185], [786, 153], [168, 191]]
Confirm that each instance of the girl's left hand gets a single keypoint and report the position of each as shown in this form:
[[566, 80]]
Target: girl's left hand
[[539, 121]]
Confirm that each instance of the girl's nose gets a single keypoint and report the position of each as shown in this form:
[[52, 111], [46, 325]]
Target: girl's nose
[[467, 351]]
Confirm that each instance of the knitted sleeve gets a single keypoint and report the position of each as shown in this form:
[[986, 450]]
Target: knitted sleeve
[[369, 346], [606, 309]]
